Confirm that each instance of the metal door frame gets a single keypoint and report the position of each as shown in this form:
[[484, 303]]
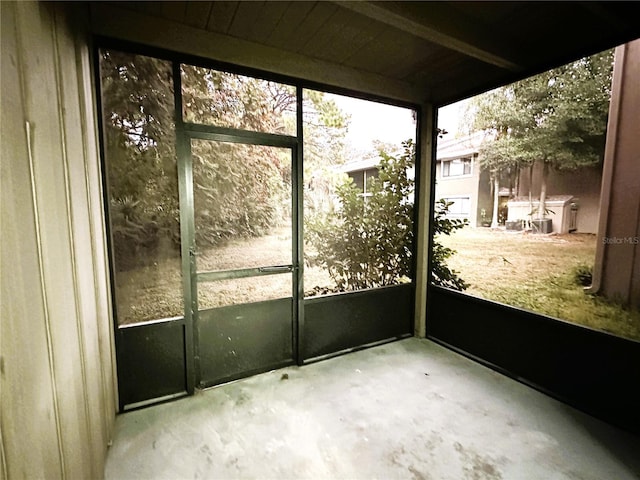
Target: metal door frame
[[185, 132], [185, 346]]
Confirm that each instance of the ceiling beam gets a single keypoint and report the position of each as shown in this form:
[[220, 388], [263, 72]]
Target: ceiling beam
[[111, 20], [441, 24]]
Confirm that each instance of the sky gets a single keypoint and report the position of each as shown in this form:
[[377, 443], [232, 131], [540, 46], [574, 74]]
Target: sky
[[396, 126], [449, 117]]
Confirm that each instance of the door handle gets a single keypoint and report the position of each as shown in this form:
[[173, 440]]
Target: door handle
[[276, 269]]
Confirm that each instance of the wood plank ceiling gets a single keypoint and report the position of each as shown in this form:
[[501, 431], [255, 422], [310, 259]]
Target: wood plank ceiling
[[449, 50]]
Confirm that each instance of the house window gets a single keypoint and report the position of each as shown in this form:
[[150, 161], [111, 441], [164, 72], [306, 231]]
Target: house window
[[362, 179], [358, 179], [456, 167], [460, 206]]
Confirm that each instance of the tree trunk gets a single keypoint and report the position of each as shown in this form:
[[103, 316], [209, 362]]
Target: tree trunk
[[512, 182], [542, 207], [530, 197], [496, 199]]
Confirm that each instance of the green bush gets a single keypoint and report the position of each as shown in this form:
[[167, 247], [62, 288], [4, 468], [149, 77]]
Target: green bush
[[583, 275], [238, 191], [441, 274], [367, 241]]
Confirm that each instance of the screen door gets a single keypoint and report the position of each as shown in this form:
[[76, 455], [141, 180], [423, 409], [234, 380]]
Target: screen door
[[243, 265]]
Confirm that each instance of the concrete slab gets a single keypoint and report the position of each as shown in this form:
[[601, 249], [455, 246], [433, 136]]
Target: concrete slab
[[407, 409]]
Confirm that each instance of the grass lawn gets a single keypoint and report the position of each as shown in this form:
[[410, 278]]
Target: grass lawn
[[155, 291], [536, 272]]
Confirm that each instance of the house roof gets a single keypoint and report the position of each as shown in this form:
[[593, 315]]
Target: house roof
[[464, 146], [360, 165], [416, 52], [448, 148]]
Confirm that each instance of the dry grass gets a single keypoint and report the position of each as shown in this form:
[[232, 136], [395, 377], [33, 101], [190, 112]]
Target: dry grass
[[536, 272], [492, 259], [525, 270], [155, 291]]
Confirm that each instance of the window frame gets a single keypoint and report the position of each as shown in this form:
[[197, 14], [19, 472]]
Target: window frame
[[466, 161]]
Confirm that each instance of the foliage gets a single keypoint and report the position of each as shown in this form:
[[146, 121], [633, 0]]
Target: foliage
[[583, 274], [228, 100], [558, 118], [367, 241], [325, 127], [137, 99], [441, 274], [239, 190]]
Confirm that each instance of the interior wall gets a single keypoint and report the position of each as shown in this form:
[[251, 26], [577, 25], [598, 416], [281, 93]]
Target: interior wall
[[57, 388]]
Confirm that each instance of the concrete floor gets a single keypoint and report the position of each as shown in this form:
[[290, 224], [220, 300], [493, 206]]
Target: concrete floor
[[408, 409]]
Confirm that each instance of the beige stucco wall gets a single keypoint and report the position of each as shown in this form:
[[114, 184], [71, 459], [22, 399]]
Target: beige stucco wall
[[469, 186], [57, 389], [583, 184], [559, 212]]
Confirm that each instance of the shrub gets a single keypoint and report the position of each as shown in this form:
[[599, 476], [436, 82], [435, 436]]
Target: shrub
[[583, 275], [367, 241], [441, 274]]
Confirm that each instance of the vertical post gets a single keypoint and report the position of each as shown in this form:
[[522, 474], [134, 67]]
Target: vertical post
[[298, 325], [616, 271], [187, 235], [424, 202]]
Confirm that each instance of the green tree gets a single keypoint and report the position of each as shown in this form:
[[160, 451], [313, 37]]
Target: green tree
[[240, 191], [139, 134], [324, 129], [557, 118]]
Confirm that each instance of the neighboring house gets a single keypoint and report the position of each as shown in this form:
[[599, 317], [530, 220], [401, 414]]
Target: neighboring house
[[572, 196], [460, 180], [362, 171], [581, 186]]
